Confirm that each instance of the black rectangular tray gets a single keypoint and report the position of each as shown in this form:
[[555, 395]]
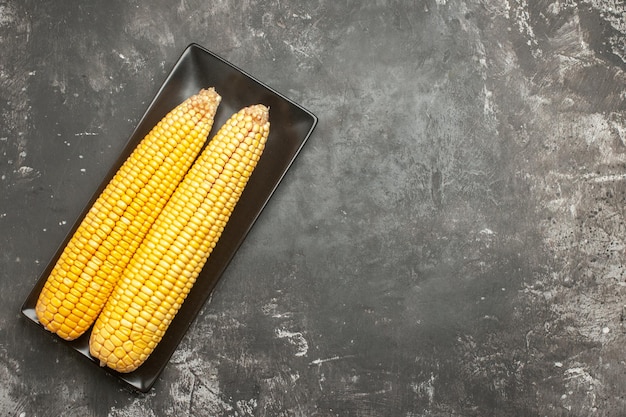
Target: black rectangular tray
[[291, 126]]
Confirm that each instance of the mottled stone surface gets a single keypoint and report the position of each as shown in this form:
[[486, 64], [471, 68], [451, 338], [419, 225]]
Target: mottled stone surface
[[449, 242]]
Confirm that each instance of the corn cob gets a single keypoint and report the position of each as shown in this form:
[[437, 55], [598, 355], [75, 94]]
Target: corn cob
[[97, 253], [167, 263]]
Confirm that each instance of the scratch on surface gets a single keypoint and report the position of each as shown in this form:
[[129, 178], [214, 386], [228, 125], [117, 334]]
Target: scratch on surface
[[296, 339], [271, 309], [426, 387], [295, 49], [331, 359], [7, 374], [592, 177], [24, 170], [387, 389], [524, 25], [608, 178], [578, 373]]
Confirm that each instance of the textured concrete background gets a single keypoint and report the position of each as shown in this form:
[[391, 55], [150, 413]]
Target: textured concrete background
[[450, 242]]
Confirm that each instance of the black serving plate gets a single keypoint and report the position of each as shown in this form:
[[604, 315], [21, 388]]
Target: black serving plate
[[291, 126]]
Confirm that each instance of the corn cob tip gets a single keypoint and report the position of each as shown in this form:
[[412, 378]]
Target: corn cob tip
[[210, 91], [259, 112], [205, 99]]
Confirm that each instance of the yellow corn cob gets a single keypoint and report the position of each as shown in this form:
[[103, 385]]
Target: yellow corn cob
[[94, 258], [168, 261]]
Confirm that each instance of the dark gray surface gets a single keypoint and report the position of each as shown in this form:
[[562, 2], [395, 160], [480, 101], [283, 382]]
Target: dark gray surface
[[449, 242]]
